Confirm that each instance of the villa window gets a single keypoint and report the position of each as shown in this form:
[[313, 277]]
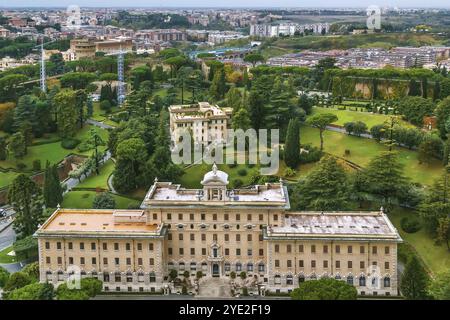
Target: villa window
[[238, 267], [387, 282], [261, 267], [362, 281], [227, 267], [350, 280], [289, 280]]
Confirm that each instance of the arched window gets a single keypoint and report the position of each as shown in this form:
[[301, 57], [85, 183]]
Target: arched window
[[261, 267], [238, 267], [117, 277], [277, 279], [313, 277], [362, 281], [337, 277], [301, 278], [193, 266], [249, 267], [227, 266], [204, 266], [60, 275], [140, 277], [181, 266], [129, 277], [170, 265], [350, 280], [387, 282], [289, 280]]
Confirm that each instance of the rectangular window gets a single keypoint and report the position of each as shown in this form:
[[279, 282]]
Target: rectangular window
[[386, 250], [82, 260], [47, 245], [94, 261], [181, 251], [117, 261], [192, 236], [238, 217], [116, 246], [338, 264], [238, 237], [249, 252], [325, 249], [139, 261], [127, 247], [386, 265], [191, 216], [313, 248], [362, 249], [313, 263], [362, 265], [325, 263], [338, 249], [300, 248], [105, 261], [155, 216], [301, 263], [249, 217], [261, 217], [180, 236], [277, 263], [128, 261], [260, 237], [58, 245], [249, 237], [203, 217], [214, 236], [169, 251], [214, 216], [169, 236], [192, 251], [203, 251], [227, 237], [105, 246], [203, 237], [70, 260], [169, 216], [47, 260], [261, 252], [70, 245], [225, 217], [288, 248], [238, 252], [150, 246], [374, 250], [277, 248], [289, 263], [152, 261], [139, 246], [349, 249], [349, 264], [81, 245], [93, 246], [59, 260], [180, 216]]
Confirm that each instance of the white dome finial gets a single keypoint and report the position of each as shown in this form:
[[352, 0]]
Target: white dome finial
[[214, 168]]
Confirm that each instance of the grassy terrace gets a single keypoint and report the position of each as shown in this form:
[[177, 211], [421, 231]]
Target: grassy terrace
[[363, 150], [53, 152], [101, 180], [84, 199], [436, 257], [370, 119]]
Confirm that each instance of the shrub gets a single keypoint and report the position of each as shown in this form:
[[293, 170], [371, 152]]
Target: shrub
[[243, 275], [237, 183], [32, 270], [186, 274], [21, 166], [242, 172], [91, 286], [347, 152], [104, 200], [245, 291], [184, 290], [313, 155], [410, 224], [105, 105], [34, 291], [251, 165], [173, 274], [289, 172], [199, 274], [69, 143], [37, 165], [4, 275], [17, 280]]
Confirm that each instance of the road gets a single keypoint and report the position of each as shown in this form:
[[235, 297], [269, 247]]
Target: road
[[7, 237], [99, 124]]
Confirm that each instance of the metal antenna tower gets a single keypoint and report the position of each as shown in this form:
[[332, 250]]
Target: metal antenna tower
[[42, 70], [120, 78]]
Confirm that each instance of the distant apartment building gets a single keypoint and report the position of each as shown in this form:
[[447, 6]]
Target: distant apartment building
[[205, 122], [161, 35], [82, 48], [219, 37], [287, 29], [114, 45]]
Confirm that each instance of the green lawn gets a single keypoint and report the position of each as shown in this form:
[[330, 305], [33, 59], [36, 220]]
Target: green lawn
[[437, 257], [363, 150], [4, 258], [187, 94], [7, 177], [53, 152], [84, 199], [370, 119], [101, 180]]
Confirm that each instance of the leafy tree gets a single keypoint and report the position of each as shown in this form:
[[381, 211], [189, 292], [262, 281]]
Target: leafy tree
[[76, 80], [64, 293], [104, 200], [4, 276], [32, 270], [18, 145], [131, 156], [218, 85], [175, 63], [53, 193], [33, 291], [25, 196], [253, 58], [325, 289], [415, 109], [430, 147], [357, 128], [378, 131], [292, 144], [443, 114], [256, 110], [305, 103], [17, 280], [443, 231], [241, 119], [3, 150], [325, 188], [65, 101], [414, 280], [26, 248], [440, 287], [234, 99], [436, 204], [384, 177], [321, 121], [91, 286]]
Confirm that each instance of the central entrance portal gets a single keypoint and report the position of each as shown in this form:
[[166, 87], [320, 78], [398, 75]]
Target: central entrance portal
[[215, 270]]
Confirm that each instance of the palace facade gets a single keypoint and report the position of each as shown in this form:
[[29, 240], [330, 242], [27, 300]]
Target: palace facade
[[218, 231]]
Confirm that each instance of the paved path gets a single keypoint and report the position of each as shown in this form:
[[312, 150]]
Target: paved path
[[342, 130], [7, 237], [99, 124], [214, 288]]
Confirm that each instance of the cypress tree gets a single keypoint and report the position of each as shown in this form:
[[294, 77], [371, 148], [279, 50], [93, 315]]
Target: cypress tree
[[3, 151], [292, 144], [52, 187], [414, 281]]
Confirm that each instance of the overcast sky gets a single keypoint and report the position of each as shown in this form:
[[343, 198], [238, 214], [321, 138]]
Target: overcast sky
[[227, 3]]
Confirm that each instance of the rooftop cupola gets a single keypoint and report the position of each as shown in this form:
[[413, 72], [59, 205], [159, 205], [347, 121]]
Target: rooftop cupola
[[215, 184]]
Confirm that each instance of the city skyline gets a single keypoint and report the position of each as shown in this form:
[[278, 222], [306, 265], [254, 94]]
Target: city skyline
[[231, 3]]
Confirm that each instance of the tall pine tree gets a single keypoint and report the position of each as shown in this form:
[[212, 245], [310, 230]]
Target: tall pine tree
[[292, 144], [414, 280], [53, 193]]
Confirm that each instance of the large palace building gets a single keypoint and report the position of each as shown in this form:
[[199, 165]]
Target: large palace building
[[218, 231]]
